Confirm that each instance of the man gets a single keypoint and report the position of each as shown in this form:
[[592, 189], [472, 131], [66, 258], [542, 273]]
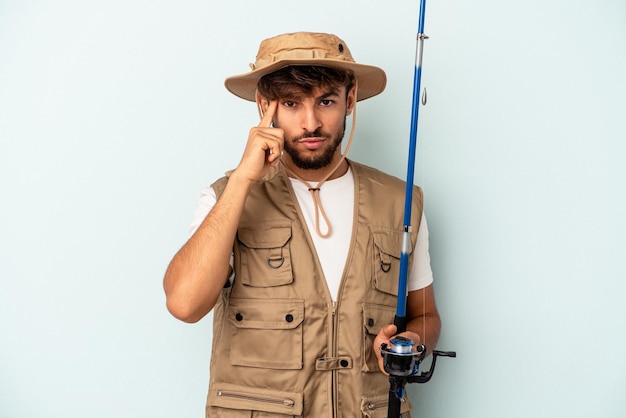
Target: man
[[297, 248]]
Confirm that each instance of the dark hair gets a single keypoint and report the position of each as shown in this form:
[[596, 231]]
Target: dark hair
[[303, 79]]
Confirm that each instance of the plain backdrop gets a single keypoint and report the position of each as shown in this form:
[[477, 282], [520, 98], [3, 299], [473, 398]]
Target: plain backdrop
[[113, 116]]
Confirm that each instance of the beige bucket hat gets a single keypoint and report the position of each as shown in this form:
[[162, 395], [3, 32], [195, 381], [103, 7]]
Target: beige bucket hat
[[306, 48]]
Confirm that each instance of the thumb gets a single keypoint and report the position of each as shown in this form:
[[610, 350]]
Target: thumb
[[388, 331], [384, 335]]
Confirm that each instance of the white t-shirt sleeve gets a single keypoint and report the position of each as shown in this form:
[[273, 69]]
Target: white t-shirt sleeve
[[207, 200], [421, 274], [205, 204]]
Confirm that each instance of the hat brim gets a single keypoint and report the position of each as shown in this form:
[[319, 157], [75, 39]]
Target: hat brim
[[371, 80]]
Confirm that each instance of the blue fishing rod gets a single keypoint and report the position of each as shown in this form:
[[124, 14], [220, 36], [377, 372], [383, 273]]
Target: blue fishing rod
[[400, 319], [401, 361]]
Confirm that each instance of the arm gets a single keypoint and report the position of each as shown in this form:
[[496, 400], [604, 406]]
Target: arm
[[198, 272], [423, 324]]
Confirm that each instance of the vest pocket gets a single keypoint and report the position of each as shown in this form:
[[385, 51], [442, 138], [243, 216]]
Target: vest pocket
[[265, 257], [377, 406], [386, 250], [266, 333], [374, 318], [230, 400]]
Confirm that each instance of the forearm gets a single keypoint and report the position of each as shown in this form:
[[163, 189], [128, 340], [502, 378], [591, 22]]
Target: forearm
[[424, 321], [427, 329], [198, 272]]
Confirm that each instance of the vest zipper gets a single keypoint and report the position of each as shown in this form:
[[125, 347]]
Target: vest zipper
[[335, 391], [257, 398]]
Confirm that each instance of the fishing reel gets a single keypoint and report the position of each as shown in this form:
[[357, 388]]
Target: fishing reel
[[402, 363]]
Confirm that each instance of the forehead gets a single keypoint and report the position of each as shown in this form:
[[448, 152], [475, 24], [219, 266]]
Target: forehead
[[315, 93]]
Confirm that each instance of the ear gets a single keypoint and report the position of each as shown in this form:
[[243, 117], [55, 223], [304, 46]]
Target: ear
[[351, 100]]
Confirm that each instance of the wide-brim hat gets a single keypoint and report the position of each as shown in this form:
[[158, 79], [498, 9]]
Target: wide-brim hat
[[306, 48]]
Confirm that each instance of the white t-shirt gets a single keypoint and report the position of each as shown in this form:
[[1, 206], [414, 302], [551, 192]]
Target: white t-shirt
[[333, 250]]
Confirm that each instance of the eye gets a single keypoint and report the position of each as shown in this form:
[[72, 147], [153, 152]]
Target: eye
[[326, 102], [289, 104]]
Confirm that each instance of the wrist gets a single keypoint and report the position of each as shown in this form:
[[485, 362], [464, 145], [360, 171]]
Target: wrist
[[240, 180]]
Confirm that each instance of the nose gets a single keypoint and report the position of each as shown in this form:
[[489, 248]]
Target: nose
[[310, 119]]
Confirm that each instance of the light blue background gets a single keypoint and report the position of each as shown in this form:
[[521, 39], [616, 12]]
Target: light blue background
[[113, 116]]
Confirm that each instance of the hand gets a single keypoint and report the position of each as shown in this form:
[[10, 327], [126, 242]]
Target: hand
[[385, 334], [264, 147]]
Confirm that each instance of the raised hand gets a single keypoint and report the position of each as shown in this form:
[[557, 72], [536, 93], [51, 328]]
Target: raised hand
[[264, 147]]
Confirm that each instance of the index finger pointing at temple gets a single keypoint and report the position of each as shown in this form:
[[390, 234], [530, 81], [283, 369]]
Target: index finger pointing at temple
[[268, 117]]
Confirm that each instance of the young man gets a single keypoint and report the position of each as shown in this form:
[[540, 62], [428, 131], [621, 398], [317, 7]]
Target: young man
[[297, 249]]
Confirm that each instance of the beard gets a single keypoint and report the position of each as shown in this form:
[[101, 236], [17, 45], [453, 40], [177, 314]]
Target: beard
[[316, 161]]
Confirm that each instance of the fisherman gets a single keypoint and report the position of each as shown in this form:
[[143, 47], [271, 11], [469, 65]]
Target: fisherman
[[297, 249]]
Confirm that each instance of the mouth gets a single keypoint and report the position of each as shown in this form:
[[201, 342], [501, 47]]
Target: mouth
[[312, 143]]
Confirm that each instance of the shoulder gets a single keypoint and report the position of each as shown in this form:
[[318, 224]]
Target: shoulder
[[220, 184], [371, 173], [376, 177], [272, 176]]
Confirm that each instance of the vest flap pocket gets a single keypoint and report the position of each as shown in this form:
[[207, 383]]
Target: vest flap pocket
[[377, 316], [374, 318], [264, 235], [266, 333], [228, 395], [266, 313], [377, 406], [387, 240], [386, 251], [263, 254]]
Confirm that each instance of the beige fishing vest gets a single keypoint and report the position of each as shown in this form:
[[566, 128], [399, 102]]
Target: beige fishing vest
[[281, 347]]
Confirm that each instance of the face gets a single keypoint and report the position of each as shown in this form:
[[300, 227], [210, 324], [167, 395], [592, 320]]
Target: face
[[314, 126]]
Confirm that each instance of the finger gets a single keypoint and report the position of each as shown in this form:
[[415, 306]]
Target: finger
[[384, 336], [389, 330], [273, 153], [268, 117]]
